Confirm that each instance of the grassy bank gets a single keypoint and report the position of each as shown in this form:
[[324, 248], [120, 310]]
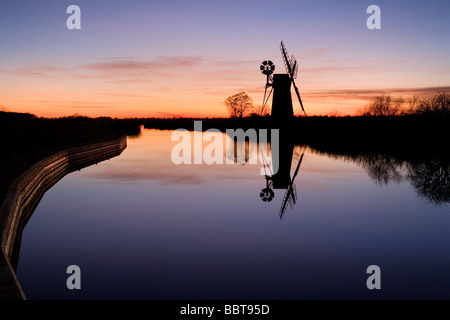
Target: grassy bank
[[26, 139]]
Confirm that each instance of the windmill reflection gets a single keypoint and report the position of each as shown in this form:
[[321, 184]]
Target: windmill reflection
[[277, 164], [282, 178]]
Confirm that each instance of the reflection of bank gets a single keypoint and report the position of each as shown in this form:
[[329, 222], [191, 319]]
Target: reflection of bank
[[25, 194], [282, 178]]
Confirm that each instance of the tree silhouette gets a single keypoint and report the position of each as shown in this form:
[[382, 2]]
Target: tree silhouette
[[384, 105], [239, 104], [438, 104]]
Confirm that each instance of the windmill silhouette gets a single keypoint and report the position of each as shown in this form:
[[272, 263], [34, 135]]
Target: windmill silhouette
[[280, 85], [282, 180]]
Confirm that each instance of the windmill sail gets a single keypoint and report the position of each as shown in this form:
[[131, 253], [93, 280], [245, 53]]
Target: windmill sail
[[287, 63], [291, 68], [290, 196], [298, 95]]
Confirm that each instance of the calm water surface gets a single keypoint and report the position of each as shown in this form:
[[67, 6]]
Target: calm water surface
[[141, 227]]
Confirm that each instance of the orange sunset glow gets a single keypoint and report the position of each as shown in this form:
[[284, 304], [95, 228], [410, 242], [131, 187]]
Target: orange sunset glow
[[181, 60]]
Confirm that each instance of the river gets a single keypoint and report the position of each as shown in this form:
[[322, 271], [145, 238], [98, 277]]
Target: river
[[140, 226]]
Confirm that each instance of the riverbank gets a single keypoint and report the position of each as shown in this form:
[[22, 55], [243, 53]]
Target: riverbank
[[25, 139], [25, 193], [36, 153]]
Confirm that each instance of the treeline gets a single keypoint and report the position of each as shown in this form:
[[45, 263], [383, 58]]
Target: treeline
[[386, 105]]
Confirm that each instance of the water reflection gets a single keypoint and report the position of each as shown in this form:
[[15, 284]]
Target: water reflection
[[277, 165], [200, 231], [282, 179], [430, 177], [382, 169], [431, 180]]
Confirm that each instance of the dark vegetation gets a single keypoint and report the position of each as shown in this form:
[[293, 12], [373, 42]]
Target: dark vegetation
[[25, 139], [423, 132], [391, 125], [385, 105], [386, 123]]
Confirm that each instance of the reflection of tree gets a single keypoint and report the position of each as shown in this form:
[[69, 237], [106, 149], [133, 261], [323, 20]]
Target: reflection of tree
[[431, 179], [382, 169]]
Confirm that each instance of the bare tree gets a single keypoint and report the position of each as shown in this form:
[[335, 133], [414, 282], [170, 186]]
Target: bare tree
[[239, 104], [438, 104], [384, 105], [413, 103]]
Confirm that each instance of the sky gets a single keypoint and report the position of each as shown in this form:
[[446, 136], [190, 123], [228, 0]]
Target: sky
[[184, 58]]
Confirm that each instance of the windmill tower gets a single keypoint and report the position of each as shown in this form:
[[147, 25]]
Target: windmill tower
[[280, 85]]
